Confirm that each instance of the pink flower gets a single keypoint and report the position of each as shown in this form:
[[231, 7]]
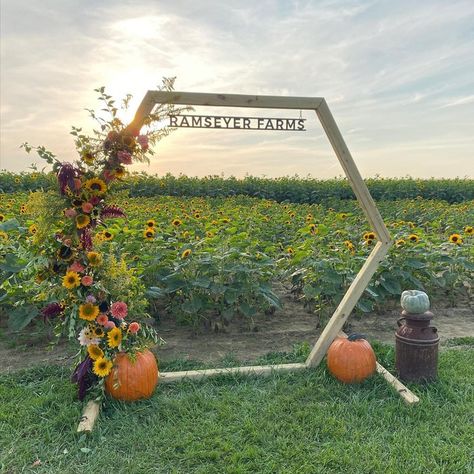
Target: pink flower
[[87, 280], [108, 176], [119, 309], [134, 327], [108, 324], [143, 141], [76, 267], [87, 207], [124, 157], [102, 319], [70, 213]]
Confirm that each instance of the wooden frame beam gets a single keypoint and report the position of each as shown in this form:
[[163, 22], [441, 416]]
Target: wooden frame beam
[[319, 105]]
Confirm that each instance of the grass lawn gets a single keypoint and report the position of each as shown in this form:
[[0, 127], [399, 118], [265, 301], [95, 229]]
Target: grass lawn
[[305, 422]]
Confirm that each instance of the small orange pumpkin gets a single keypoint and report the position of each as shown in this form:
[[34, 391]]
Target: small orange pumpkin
[[351, 359], [132, 379]]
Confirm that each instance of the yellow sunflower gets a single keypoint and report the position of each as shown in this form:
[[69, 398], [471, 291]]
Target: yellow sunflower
[[95, 258], [98, 332], [23, 209], [149, 234], [33, 229], [88, 311], [114, 337], [106, 235], [186, 253], [176, 222], [349, 245], [88, 158], [2, 217], [3, 235], [469, 230], [95, 186], [150, 223], [369, 236], [102, 367], [119, 172], [413, 238], [290, 250], [95, 352], [400, 242], [455, 239], [82, 221], [71, 280]]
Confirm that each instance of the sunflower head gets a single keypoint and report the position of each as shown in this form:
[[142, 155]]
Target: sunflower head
[[469, 230], [149, 233], [150, 223], [455, 239], [33, 229], [176, 222], [82, 220], [102, 367], [114, 337], [87, 157], [94, 258], [3, 235], [88, 311], [186, 253], [2, 217], [106, 235], [400, 243], [413, 238], [95, 186], [71, 280], [95, 352]]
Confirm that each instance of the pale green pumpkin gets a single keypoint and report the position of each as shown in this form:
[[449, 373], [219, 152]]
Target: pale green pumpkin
[[415, 301]]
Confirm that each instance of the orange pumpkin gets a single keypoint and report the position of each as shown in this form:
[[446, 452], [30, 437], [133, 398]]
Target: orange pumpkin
[[351, 359], [132, 379]]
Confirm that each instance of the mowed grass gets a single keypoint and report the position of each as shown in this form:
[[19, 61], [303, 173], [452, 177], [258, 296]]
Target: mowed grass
[[305, 422]]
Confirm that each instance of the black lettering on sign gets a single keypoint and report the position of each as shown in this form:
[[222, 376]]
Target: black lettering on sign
[[237, 123]]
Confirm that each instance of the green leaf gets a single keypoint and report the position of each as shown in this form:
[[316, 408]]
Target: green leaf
[[392, 286], [10, 224], [13, 264], [247, 310], [20, 317], [364, 305], [411, 262]]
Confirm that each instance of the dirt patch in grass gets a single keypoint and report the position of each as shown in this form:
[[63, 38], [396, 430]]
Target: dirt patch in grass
[[243, 339]]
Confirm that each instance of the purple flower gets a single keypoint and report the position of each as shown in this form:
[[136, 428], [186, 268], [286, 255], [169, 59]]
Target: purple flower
[[90, 299], [51, 310], [66, 175], [86, 239], [84, 377]]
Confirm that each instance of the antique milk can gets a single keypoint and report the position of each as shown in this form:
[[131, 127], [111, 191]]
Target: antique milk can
[[416, 341]]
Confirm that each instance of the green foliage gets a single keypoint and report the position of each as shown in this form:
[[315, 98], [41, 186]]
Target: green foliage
[[291, 189]]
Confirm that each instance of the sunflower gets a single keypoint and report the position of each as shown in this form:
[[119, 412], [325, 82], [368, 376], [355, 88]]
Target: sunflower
[[65, 253], [106, 235], [197, 215], [469, 230], [114, 337], [290, 251], [343, 215], [186, 253], [96, 186], [119, 172], [102, 367], [88, 158], [349, 244], [176, 222], [3, 235], [33, 229], [150, 223], [455, 239], [82, 221], [369, 236], [226, 220], [88, 311], [98, 332], [71, 280], [209, 234], [413, 238], [95, 352], [369, 241], [95, 258], [2, 217], [23, 209], [149, 234], [400, 243]]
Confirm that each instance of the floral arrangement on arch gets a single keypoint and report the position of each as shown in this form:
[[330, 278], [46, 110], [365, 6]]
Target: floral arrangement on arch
[[91, 293]]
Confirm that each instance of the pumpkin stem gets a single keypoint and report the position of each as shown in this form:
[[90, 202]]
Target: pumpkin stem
[[356, 336]]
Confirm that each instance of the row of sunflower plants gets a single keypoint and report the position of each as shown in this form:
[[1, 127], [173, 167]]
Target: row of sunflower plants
[[292, 189]]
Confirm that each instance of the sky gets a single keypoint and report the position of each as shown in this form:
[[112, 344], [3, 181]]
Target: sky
[[397, 76]]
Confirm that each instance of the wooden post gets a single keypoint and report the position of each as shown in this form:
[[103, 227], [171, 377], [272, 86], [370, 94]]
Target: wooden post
[[89, 415]]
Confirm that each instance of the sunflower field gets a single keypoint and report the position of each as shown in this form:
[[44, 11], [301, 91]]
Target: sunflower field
[[202, 259]]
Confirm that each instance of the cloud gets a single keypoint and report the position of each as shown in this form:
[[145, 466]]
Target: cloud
[[385, 68]]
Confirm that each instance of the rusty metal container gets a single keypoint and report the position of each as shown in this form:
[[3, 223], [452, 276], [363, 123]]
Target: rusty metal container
[[416, 353]]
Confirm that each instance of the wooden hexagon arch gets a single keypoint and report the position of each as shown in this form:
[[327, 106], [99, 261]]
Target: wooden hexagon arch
[[359, 284]]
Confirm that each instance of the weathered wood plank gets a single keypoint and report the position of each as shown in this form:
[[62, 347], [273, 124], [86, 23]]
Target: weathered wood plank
[[168, 377], [89, 415], [407, 395]]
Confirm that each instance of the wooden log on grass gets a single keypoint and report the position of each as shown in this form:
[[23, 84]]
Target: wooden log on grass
[[168, 377], [89, 415], [408, 396]]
